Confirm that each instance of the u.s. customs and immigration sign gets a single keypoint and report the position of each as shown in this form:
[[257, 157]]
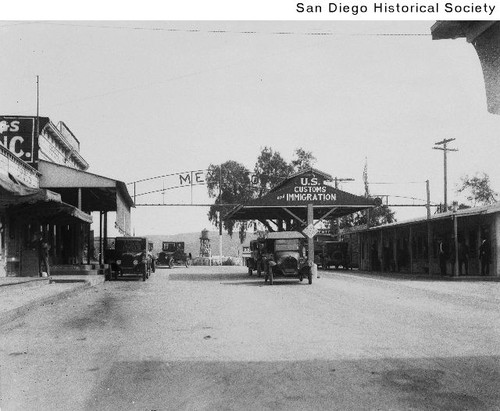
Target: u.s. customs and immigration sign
[[308, 188], [298, 193], [17, 134]]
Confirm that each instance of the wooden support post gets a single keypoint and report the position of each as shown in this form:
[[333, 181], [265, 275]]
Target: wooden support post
[[455, 240], [105, 235], [79, 198], [411, 250], [429, 229], [100, 237], [310, 240], [89, 244]]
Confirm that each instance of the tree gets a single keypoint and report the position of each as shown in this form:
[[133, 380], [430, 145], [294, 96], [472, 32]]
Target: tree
[[378, 216], [478, 189], [270, 169], [303, 161], [228, 183], [233, 185]]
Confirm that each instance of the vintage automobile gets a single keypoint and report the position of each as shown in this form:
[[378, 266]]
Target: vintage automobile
[[172, 253], [335, 253], [130, 257], [255, 262], [285, 255]]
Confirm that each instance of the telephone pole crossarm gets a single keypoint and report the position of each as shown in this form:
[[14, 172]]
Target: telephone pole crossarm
[[445, 150]]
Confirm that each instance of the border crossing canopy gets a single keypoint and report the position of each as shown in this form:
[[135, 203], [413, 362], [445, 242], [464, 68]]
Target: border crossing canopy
[[291, 198]]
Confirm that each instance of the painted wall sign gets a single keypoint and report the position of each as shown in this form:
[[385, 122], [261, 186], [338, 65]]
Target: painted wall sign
[[309, 188], [18, 136]]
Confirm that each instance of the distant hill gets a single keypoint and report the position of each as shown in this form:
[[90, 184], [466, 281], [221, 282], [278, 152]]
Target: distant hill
[[231, 247]]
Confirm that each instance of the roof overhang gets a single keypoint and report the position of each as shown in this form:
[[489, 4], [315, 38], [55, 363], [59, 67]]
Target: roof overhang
[[98, 193], [291, 198], [50, 212], [485, 37], [38, 204]]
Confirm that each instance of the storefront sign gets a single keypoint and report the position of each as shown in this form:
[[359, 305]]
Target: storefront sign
[[17, 135]]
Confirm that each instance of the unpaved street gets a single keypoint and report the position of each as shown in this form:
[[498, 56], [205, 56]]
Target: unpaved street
[[212, 338]]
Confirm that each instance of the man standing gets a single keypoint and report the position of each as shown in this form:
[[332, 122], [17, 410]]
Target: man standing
[[484, 256], [43, 255], [442, 257]]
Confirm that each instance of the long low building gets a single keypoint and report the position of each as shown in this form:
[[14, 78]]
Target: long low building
[[414, 246]]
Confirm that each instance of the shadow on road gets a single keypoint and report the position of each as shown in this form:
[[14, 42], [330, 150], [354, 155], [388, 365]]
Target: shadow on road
[[454, 383], [207, 277]]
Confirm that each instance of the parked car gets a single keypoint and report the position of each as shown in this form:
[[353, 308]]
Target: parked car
[[255, 262], [335, 253], [285, 255], [130, 257], [172, 253]]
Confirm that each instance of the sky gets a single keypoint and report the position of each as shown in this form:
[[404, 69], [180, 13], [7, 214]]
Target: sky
[[150, 98]]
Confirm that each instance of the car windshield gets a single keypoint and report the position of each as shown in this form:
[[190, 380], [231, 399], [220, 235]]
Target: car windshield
[[130, 246], [287, 245]]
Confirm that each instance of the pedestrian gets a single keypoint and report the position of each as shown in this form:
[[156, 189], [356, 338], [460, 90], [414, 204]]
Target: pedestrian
[[43, 248], [485, 256], [463, 257], [442, 257]]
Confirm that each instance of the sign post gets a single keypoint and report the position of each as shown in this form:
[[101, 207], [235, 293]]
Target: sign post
[[310, 239]]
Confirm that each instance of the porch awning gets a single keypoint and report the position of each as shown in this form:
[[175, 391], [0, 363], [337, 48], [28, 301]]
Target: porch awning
[[291, 197], [38, 204], [94, 192], [12, 193]]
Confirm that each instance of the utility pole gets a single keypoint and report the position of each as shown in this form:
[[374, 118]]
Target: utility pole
[[37, 125], [445, 150], [337, 180], [220, 215]]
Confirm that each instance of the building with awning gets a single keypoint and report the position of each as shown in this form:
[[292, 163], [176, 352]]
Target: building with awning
[[413, 246], [46, 188], [90, 193], [25, 209]]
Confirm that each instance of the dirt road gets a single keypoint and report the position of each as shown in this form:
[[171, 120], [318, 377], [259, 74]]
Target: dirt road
[[213, 338]]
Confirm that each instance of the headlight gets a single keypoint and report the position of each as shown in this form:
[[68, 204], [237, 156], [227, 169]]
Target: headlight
[[118, 262], [135, 262]]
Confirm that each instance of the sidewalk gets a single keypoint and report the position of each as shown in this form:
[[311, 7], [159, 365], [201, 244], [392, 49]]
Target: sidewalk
[[18, 295], [406, 276]]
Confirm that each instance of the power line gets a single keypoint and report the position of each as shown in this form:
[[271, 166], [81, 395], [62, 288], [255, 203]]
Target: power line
[[244, 32]]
